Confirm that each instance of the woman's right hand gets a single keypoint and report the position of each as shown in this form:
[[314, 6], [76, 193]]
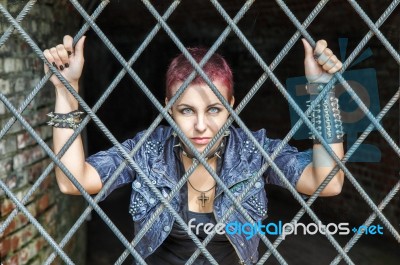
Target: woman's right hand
[[68, 60]]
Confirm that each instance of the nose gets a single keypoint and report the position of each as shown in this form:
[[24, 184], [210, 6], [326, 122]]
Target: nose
[[201, 123]]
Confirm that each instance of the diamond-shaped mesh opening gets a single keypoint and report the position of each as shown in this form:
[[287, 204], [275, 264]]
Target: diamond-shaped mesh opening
[[239, 33]]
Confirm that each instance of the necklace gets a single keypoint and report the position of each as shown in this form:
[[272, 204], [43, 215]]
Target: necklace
[[203, 198], [217, 153]]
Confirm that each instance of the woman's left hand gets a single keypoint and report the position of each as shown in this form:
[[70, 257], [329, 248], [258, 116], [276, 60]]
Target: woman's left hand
[[320, 64]]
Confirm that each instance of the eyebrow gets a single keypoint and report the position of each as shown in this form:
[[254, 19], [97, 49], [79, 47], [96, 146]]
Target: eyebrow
[[211, 105]]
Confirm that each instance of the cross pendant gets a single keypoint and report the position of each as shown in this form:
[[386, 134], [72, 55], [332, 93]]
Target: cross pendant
[[203, 198]]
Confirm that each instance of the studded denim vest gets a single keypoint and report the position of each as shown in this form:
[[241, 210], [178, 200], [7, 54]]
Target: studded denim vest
[[241, 161]]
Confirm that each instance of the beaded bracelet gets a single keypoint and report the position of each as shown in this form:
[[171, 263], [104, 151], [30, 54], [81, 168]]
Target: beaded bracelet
[[69, 120]]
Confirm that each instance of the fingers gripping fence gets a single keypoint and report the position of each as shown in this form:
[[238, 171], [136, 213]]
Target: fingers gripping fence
[[165, 205]]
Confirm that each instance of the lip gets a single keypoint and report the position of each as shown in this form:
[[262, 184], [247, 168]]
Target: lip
[[201, 140]]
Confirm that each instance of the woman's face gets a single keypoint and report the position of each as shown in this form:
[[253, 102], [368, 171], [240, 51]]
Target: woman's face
[[200, 114]]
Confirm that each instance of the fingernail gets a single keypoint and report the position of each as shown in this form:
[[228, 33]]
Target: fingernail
[[61, 67], [54, 64], [69, 53], [66, 65]]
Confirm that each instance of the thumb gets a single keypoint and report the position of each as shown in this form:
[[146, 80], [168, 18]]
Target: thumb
[[80, 46], [308, 50], [311, 67]]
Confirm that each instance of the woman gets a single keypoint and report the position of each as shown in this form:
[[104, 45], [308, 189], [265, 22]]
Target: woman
[[164, 158]]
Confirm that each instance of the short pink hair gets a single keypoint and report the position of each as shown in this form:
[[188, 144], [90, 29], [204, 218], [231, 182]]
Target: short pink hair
[[216, 68]]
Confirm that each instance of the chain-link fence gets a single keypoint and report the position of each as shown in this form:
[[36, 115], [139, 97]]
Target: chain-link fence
[[374, 123]]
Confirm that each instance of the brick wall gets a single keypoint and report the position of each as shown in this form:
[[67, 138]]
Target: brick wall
[[22, 160]]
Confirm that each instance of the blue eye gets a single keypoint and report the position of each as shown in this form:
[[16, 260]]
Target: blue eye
[[214, 110], [186, 111]]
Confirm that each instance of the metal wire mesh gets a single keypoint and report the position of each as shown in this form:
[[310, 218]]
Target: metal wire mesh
[[234, 117]]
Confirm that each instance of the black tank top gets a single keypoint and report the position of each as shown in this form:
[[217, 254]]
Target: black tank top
[[178, 247]]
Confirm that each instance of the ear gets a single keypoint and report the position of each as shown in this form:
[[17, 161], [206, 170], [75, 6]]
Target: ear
[[232, 101], [166, 103]]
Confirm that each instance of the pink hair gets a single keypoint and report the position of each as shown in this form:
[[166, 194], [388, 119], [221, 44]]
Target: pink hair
[[216, 68]]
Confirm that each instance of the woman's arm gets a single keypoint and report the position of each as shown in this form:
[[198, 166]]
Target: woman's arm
[[320, 70], [315, 173], [69, 61]]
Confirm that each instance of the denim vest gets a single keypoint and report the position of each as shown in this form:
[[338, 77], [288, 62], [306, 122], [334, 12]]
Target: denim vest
[[241, 161]]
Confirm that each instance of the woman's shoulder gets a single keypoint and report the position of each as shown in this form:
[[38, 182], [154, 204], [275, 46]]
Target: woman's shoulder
[[158, 134], [149, 144], [242, 135]]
